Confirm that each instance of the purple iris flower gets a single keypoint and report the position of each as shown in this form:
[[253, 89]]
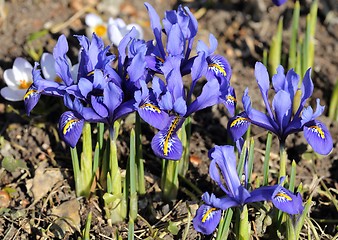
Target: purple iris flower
[[223, 171], [180, 28], [279, 118], [165, 106], [102, 101], [43, 86], [218, 67]]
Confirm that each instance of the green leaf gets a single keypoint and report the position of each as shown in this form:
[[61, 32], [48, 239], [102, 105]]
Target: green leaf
[[11, 164], [173, 227]]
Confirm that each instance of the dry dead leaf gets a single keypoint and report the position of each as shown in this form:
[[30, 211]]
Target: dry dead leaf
[[44, 180], [69, 215]]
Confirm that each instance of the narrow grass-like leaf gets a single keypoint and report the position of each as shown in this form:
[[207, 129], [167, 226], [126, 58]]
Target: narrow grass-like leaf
[[267, 159], [250, 159], [292, 176], [141, 188], [294, 36], [86, 231], [185, 139], [133, 208], [224, 225], [131, 229], [244, 225], [276, 49], [333, 109]]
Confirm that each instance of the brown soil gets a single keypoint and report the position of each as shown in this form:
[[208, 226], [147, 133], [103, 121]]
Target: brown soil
[[243, 31]]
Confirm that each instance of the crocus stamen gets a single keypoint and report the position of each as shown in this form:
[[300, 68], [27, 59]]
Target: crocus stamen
[[282, 197], [318, 130], [216, 67], [69, 125], [169, 135], [100, 30], [238, 121], [206, 215], [29, 94], [24, 84], [151, 107], [58, 79]]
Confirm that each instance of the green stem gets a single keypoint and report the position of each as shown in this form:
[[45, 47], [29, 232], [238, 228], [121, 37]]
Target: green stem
[[86, 161], [139, 156], [244, 226], [169, 179], [283, 160]]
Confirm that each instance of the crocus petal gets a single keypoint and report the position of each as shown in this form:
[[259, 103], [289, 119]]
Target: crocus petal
[[48, 66], [318, 136], [93, 20], [286, 201], [70, 128], [166, 143], [13, 94], [207, 218]]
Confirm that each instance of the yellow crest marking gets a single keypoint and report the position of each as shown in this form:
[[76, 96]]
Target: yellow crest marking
[[151, 106], [28, 93], [235, 122], [231, 98], [160, 59], [318, 130], [206, 215], [211, 65], [169, 135], [284, 195], [68, 124]]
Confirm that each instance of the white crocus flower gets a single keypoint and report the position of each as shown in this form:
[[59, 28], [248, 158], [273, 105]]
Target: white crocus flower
[[48, 68], [18, 80], [117, 29], [96, 25]]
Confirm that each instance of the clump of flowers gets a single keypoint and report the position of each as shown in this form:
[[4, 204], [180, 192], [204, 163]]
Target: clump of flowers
[[290, 94], [223, 171]]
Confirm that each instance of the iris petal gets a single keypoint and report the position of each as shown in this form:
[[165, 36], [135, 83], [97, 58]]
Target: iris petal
[[207, 218], [70, 127], [286, 201], [318, 136], [31, 98], [238, 125], [166, 143]]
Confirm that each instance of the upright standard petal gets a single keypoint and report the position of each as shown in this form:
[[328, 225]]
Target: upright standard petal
[[318, 136]]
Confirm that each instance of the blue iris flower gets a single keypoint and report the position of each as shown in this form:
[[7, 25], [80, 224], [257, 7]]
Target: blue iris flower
[[223, 171], [280, 118]]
